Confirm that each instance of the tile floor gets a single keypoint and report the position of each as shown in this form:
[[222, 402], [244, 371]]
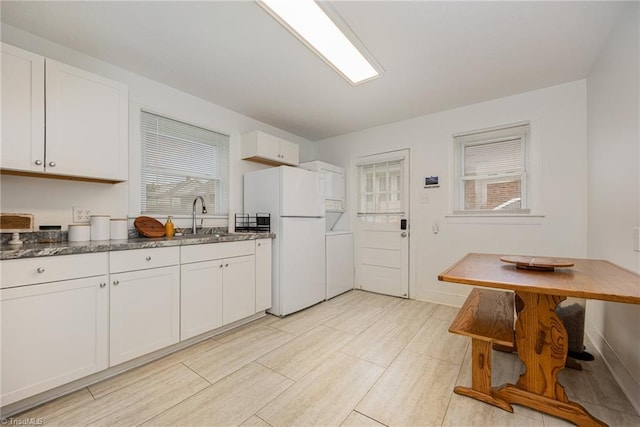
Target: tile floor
[[360, 359]]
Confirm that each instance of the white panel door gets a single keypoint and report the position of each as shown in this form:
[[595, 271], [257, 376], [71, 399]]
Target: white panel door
[[301, 193], [238, 288], [87, 124], [302, 263], [22, 110], [145, 312], [200, 297], [52, 334], [382, 247]]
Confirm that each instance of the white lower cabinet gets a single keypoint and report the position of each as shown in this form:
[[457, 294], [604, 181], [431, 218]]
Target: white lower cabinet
[[145, 312], [57, 326], [52, 333], [200, 297], [218, 286], [145, 303], [263, 274], [238, 288]]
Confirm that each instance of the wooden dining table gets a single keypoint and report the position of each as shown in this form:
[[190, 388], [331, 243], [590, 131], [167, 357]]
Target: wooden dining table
[[540, 336]]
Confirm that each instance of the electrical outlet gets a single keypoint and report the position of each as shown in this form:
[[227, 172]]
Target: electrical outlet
[[81, 214]]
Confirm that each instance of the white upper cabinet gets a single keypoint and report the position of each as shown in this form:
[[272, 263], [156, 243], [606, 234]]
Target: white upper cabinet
[[85, 133], [264, 148], [87, 120], [22, 110]]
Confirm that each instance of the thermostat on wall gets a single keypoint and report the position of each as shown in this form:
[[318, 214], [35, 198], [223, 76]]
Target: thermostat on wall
[[431, 182]]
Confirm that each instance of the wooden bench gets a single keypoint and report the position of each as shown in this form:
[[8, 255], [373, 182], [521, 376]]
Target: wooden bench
[[487, 316]]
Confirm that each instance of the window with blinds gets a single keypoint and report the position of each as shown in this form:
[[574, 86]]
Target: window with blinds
[[181, 161], [492, 170]]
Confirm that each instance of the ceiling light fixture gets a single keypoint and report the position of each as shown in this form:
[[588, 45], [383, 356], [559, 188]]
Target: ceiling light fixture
[[311, 24]]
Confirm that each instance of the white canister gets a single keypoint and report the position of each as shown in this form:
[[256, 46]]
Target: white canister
[[119, 229], [79, 233], [100, 227]]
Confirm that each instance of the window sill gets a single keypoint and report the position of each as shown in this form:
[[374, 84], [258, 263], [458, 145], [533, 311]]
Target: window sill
[[506, 219]]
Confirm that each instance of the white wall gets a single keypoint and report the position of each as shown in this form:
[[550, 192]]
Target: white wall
[[614, 193], [51, 201], [559, 150]]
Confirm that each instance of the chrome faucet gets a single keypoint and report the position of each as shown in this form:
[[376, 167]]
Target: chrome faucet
[[204, 211]]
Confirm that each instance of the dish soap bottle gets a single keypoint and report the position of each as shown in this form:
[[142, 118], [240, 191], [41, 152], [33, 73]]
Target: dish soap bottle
[[169, 229]]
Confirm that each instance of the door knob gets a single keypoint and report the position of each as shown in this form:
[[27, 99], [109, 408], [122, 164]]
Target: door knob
[[403, 234]]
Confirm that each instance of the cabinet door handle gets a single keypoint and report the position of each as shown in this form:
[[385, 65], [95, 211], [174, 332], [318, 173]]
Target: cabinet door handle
[[259, 244], [102, 285], [40, 270], [226, 265], [220, 266], [116, 282], [38, 162], [52, 164], [148, 258]]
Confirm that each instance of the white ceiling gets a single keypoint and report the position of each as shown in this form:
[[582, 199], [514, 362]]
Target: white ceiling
[[436, 55]]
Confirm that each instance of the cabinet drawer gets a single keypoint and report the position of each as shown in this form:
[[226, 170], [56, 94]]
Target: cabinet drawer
[[30, 271], [197, 253], [141, 259]]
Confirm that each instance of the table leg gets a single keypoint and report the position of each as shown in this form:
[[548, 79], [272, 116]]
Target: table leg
[[481, 376], [541, 341]]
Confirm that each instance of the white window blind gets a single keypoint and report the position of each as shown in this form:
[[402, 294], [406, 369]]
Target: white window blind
[[179, 162], [492, 172]]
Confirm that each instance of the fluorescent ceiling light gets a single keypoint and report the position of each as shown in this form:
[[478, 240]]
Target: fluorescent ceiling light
[[307, 21]]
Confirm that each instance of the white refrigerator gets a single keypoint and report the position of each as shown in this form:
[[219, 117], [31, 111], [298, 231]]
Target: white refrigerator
[[293, 198]]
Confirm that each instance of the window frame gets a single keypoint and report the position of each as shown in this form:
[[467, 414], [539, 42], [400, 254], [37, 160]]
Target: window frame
[[222, 168], [517, 131]]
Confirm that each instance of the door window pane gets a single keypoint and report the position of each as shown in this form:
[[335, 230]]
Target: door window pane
[[380, 188]]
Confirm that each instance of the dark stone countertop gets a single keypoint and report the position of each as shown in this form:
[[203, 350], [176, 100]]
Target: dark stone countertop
[[32, 250]]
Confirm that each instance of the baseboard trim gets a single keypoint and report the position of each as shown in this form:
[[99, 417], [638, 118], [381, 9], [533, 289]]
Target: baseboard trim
[[629, 386], [441, 298]]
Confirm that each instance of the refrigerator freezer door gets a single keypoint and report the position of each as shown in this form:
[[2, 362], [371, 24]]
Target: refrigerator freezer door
[[300, 193], [301, 264]]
